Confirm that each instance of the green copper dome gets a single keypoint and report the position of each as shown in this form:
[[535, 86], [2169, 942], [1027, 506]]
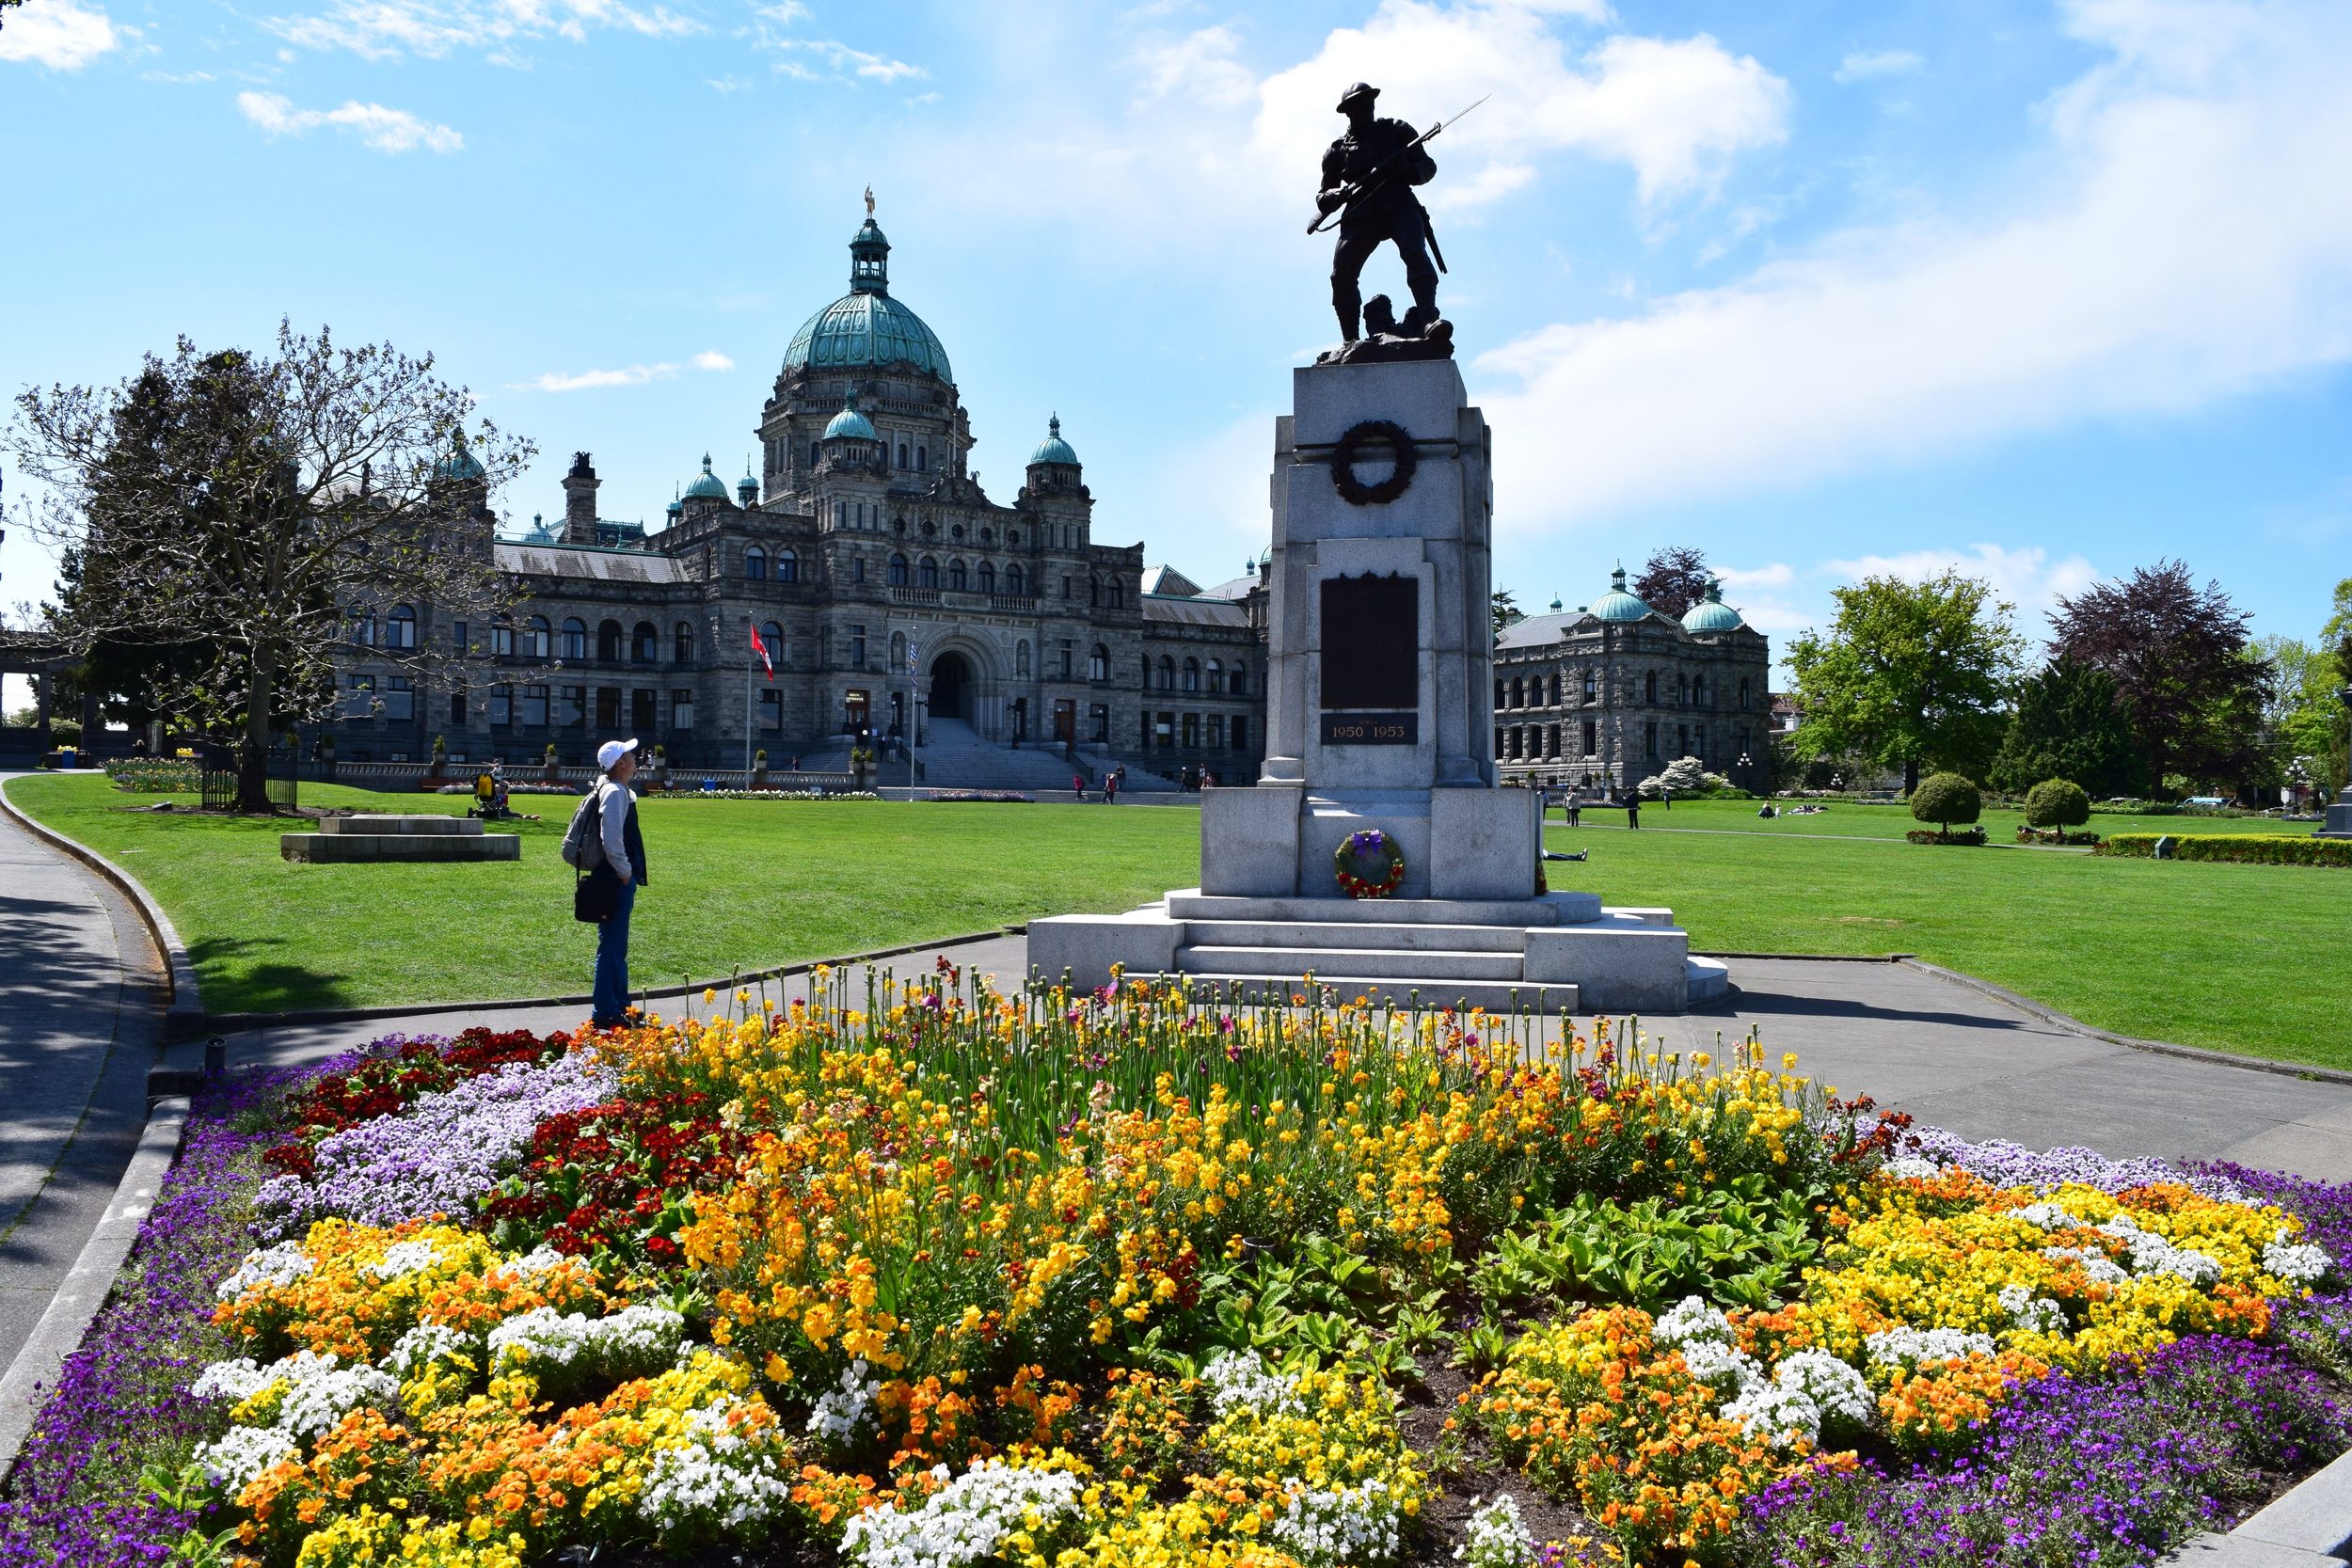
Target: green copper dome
[[849, 424], [1054, 448], [866, 329], [1616, 605], [707, 484], [460, 464], [1711, 613]]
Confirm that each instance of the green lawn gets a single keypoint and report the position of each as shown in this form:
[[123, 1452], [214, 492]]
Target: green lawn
[[1841, 819], [733, 884], [2243, 958], [2239, 958]]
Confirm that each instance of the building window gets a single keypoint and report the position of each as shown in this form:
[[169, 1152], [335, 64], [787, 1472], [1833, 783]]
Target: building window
[[535, 638], [1649, 738], [1020, 659], [927, 573], [857, 647], [771, 708], [1216, 676], [755, 563], [1192, 731], [1238, 680], [858, 570], [682, 709], [897, 571], [645, 643], [1216, 732], [815, 452], [1099, 663], [534, 706], [363, 631], [1503, 693], [788, 566], [772, 635], [575, 638], [841, 513], [1164, 731], [1649, 691], [608, 641], [1240, 729], [1068, 652], [1168, 674], [1592, 737], [682, 643], [501, 641], [571, 706], [1065, 588], [1743, 693], [922, 460], [1192, 674], [607, 708], [902, 454], [1099, 718], [1116, 593], [400, 629], [359, 702], [988, 577], [1016, 580], [1552, 749], [956, 577], [1555, 689], [458, 637], [501, 705], [457, 711], [1592, 686]]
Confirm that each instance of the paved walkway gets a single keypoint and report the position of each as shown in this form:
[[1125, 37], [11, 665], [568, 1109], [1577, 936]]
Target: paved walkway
[[1944, 1051], [81, 1006]]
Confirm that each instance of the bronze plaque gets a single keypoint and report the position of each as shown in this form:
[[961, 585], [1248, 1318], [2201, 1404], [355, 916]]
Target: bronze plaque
[[1372, 642]]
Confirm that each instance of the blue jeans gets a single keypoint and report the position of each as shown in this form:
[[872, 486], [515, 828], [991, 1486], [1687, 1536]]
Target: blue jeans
[[612, 957]]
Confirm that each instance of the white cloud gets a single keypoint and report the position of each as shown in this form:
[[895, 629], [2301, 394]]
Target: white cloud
[[387, 29], [1868, 65], [1200, 66], [58, 33], [1748, 580], [582, 381], [841, 61], [386, 130], [2190, 237], [2025, 578], [712, 360]]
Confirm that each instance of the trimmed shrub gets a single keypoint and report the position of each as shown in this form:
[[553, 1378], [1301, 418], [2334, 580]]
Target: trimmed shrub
[[2054, 835], [1944, 799], [2058, 803], [1969, 836], [2243, 848]]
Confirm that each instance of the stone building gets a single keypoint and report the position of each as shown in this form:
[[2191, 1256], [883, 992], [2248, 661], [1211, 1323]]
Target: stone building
[[1606, 695], [891, 592]]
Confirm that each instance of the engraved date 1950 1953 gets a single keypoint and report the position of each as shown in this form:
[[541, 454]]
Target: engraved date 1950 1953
[[1371, 729]]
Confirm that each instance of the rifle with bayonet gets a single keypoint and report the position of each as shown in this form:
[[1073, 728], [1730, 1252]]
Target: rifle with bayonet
[[1386, 171]]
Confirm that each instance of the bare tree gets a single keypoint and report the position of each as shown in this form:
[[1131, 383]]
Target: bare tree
[[246, 512]]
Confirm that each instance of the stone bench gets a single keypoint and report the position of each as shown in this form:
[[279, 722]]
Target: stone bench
[[341, 839]]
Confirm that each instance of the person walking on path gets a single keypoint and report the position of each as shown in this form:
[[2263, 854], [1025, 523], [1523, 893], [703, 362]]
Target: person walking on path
[[1078, 785], [1110, 788], [1666, 798], [620, 854]]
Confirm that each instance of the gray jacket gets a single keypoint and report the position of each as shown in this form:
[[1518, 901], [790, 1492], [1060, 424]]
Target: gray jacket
[[612, 804]]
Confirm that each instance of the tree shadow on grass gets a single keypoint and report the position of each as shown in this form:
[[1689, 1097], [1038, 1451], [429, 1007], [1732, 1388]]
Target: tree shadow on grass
[[256, 981]]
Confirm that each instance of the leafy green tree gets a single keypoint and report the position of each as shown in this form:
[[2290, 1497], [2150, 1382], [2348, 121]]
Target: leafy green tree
[[1910, 676], [2057, 803], [2068, 724], [1944, 799], [1506, 613]]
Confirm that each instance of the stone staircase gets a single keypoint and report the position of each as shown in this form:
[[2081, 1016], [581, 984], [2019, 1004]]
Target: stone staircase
[[346, 839], [1560, 952]]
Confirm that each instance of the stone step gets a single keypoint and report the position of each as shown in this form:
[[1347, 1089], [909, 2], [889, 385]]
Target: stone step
[[1433, 965], [423, 827], [1553, 909], [1709, 979], [1496, 996], [1397, 936], [336, 848]]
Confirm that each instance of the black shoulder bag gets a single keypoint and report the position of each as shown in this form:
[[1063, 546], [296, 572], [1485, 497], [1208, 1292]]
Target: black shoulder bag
[[596, 894]]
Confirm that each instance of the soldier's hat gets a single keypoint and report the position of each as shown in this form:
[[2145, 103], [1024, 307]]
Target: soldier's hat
[[1361, 89]]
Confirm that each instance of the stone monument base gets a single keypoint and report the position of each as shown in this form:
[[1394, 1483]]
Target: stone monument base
[[2339, 819], [1553, 953], [347, 839]]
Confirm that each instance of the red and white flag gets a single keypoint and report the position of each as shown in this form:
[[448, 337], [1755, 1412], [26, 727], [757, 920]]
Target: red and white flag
[[761, 649]]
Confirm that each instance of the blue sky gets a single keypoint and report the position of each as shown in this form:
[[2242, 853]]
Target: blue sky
[[2047, 289]]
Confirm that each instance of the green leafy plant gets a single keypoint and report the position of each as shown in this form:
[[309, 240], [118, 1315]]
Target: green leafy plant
[[2058, 803], [1944, 799], [1737, 1243]]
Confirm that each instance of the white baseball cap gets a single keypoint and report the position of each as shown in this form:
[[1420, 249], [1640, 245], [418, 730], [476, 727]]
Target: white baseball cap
[[612, 751]]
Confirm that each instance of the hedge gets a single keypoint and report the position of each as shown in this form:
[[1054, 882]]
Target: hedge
[[2053, 835], [1971, 836], [2249, 849]]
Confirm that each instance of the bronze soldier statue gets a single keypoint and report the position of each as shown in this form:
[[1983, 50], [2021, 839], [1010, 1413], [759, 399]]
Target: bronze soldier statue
[[1370, 172]]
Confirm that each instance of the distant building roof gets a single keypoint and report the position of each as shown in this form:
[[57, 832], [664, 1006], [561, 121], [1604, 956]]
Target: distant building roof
[[1168, 579], [586, 563], [1232, 588], [1194, 612], [1530, 629]]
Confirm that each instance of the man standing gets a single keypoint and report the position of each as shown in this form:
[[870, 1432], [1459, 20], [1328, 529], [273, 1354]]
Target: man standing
[[1374, 150], [620, 855]]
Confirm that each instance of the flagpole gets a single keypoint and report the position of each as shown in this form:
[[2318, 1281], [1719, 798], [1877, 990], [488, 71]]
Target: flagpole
[[747, 715]]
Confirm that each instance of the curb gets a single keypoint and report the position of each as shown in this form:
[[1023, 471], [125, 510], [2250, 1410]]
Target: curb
[[2161, 1048], [1816, 958], [2308, 1526], [183, 1016], [87, 1286]]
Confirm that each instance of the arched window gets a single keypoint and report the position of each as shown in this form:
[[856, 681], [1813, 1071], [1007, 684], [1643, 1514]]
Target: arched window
[[788, 566], [400, 629], [1502, 694], [897, 571], [363, 630], [575, 638], [682, 643], [772, 635], [1216, 674], [539, 638], [958, 579], [1016, 580], [1592, 686], [902, 454], [1168, 674], [1192, 674], [608, 641], [645, 643], [1237, 682], [1110, 593], [1099, 663], [1020, 659], [927, 572], [898, 650], [755, 563], [987, 577], [1698, 691], [1555, 689]]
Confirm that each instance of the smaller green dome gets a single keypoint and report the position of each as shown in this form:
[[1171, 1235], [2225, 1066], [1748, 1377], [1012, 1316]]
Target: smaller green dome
[[1711, 613], [674, 507], [460, 464], [1617, 604], [1054, 448], [748, 486], [707, 484], [851, 425]]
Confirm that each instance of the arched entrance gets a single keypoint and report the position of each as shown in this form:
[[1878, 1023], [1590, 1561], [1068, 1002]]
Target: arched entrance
[[951, 687]]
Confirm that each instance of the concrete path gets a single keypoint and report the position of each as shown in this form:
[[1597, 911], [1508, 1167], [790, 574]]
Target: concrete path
[[1944, 1052], [81, 1008]]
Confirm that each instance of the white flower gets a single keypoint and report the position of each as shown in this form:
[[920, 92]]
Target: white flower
[[1836, 1388], [2097, 1265], [1911, 1348], [1496, 1536], [277, 1265], [965, 1520], [234, 1380], [1721, 1365], [425, 1345], [1691, 1320], [2153, 1254], [634, 1340], [405, 1258], [317, 1390], [2050, 1216], [2036, 1314], [536, 1261], [839, 1412], [718, 1479], [1783, 1417], [243, 1453], [1339, 1525], [1239, 1380], [2296, 1262], [1912, 1167]]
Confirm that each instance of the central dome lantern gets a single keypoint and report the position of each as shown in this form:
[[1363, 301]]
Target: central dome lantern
[[866, 329]]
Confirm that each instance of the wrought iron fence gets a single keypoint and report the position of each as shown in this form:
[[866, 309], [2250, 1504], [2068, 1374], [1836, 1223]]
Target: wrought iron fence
[[217, 786]]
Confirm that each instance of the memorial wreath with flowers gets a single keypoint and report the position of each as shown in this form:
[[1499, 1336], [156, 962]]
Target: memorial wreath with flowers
[[1369, 864]]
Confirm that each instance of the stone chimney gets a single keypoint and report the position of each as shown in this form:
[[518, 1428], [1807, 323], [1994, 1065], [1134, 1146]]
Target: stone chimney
[[579, 502]]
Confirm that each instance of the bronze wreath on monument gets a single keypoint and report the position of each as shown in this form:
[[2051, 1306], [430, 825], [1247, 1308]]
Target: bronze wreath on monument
[[1400, 444]]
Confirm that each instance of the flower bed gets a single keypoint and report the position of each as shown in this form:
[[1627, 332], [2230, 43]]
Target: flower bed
[[2054, 835], [155, 775], [990, 797], [1973, 837], [939, 1276], [2246, 848], [689, 792]]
